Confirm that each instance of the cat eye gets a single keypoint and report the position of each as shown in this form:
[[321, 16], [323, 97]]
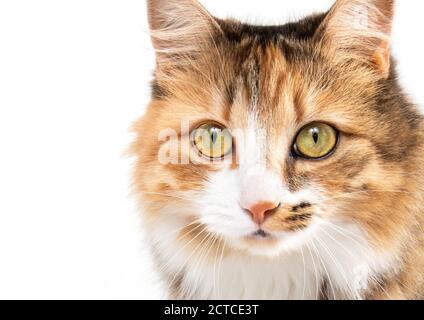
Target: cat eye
[[316, 141], [212, 140]]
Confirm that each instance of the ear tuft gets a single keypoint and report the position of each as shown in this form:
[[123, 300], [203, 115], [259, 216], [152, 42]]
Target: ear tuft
[[361, 29], [179, 26]]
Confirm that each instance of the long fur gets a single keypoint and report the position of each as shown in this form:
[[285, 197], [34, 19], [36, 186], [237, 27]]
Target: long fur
[[349, 226]]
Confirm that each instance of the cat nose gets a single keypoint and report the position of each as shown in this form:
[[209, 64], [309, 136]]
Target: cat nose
[[261, 210]]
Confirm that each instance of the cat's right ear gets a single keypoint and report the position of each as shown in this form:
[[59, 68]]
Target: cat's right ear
[[179, 27]]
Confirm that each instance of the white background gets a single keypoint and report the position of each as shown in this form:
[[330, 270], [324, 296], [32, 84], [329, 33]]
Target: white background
[[74, 75]]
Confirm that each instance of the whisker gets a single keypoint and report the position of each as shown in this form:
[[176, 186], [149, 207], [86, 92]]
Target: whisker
[[220, 266], [325, 269], [304, 274], [196, 221], [339, 243], [332, 257], [317, 284], [171, 196], [180, 250], [197, 265], [360, 241]]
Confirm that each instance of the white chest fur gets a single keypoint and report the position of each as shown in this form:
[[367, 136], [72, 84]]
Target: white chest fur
[[246, 277]]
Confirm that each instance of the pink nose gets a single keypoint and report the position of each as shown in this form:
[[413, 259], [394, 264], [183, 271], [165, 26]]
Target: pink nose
[[261, 210]]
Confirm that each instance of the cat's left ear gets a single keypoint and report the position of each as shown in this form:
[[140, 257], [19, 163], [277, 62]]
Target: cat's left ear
[[361, 29]]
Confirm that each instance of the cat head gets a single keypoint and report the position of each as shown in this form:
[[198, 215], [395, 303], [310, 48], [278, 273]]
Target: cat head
[[259, 135]]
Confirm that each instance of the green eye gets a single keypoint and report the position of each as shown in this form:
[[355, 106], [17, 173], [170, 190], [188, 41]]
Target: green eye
[[212, 140], [316, 141]]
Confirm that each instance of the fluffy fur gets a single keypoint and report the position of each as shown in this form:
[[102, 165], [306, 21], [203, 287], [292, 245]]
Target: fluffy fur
[[350, 226]]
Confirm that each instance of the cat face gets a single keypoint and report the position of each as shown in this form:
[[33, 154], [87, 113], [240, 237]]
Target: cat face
[[262, 135]]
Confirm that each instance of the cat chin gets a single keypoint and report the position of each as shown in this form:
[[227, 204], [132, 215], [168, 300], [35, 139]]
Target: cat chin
[[275, 244], [264, 248]]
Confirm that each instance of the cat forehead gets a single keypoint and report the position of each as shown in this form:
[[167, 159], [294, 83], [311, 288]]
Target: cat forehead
[[273, 89], [272, 68]]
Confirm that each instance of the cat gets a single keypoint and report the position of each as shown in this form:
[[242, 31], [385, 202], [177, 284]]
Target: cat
[[281, 162]]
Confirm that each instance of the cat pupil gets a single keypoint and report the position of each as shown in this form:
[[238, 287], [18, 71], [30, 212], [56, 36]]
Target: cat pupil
[[213, 136], [315, 135]]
